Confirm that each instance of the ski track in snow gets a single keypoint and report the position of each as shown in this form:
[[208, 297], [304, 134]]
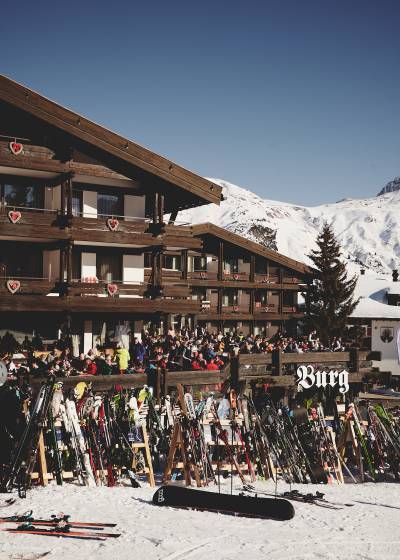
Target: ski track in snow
[[368, 530]]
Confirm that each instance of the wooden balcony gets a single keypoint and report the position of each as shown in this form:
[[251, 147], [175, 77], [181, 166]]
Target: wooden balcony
[[40, 223], [30, 223], [36, 294], [21, 286]]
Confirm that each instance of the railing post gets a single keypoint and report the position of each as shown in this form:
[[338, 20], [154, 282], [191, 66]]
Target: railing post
[[355, 359], [165, 383], [235, 372], [277, 361]]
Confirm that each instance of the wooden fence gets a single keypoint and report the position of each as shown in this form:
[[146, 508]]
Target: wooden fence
[[277, 369]]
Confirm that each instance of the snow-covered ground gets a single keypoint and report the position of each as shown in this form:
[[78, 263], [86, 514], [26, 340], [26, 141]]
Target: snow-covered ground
[[368, 530]]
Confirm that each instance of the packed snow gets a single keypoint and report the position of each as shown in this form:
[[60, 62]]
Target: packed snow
[[367, 530], [367, 229]]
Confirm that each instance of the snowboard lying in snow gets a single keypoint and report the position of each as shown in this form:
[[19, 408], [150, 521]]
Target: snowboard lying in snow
[[246, 506]]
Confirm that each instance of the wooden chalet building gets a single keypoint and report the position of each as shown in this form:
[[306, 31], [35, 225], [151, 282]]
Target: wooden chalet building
[[86, 247]]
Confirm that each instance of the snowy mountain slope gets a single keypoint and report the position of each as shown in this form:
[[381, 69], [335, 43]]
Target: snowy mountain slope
[[368, 229]]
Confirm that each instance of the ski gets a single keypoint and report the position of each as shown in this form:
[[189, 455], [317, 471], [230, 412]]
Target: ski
[[55, 519], [316, 499], [61, 531]]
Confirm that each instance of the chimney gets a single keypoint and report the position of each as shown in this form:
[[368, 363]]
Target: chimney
[[395, 275]]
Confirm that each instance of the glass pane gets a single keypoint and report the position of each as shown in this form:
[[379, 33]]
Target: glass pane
[[76, 203], [23, 196], [108, 205], [108, 268]]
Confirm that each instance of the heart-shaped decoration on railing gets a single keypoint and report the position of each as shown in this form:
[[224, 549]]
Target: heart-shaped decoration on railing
[[112, 289], [13, 285], [14, 216], [112, 224], [16, 148]]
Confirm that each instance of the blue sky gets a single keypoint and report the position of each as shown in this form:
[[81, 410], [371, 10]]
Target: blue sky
[[296, 100]]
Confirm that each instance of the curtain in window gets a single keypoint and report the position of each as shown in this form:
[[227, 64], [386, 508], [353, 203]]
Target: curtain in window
[[25, 196], [76, 203], [108, 205], [108, 268]]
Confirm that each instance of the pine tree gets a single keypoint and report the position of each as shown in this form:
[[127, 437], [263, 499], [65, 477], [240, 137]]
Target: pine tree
[[329, 299]]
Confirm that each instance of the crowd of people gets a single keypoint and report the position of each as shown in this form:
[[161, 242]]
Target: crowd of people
[[174, 351], [182, 350]]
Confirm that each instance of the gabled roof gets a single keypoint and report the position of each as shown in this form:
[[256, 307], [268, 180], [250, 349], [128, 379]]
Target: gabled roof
[[103, 139], [216, 231]]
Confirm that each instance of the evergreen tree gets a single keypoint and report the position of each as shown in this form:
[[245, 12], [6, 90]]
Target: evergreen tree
[[329, 299]]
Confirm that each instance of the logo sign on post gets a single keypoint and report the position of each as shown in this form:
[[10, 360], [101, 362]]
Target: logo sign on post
[[307, 377]]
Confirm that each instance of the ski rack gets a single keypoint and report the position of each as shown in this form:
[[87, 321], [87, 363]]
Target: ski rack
[[139, 446]]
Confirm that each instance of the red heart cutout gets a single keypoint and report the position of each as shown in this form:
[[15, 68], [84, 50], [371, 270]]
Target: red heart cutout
[[112, 224], [112, 289], [14, 216], [16, 148], [13, 285]]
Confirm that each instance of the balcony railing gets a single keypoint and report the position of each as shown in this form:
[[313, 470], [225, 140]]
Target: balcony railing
[[24, 286]]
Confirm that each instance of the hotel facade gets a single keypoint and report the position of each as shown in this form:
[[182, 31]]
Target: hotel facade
[[92, 249]]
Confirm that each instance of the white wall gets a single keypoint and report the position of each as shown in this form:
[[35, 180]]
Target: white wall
[[87, 335], [51, 265], [390, 361], [212, 266], [133, 268], [88, 265], [134, 206], [89, 204], [52, 198]]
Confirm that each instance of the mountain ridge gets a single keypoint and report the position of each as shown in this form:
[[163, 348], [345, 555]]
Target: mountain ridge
[[368, 229]]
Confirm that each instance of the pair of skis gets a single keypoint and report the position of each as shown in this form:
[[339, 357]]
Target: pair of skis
[[58, 526], [316, 499]]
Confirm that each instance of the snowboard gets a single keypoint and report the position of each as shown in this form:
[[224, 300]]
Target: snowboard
[[240, 505]]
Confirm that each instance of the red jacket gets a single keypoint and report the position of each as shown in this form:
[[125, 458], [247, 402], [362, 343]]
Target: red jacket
[[91, 369]]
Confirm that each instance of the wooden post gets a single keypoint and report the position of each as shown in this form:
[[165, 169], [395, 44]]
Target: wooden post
[[252, 267], [62, 206], [221, 261], [43, 475], [155, 208], [69, 197], [277, 361], [160, 208], [184, 263], [69, 263], [62, 266], [219, 303]]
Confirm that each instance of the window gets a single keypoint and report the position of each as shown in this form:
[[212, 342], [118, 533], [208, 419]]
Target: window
[[109, 205], [230, 297], [76, 203], [23, 196], [172, 262], [199, 264], [199, 294], [76, 265], [109, 267], [261, 297], [231, 266], [288, 299], [21, 261], [147, 260]]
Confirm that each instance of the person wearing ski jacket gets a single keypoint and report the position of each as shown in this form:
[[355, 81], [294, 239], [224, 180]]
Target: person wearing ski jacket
[[122, 357]]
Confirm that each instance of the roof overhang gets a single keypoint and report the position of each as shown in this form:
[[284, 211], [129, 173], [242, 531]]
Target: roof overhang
[[131, 154], [251, 246]]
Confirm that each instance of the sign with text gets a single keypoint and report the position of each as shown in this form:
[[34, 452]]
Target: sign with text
[[308, 377]]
